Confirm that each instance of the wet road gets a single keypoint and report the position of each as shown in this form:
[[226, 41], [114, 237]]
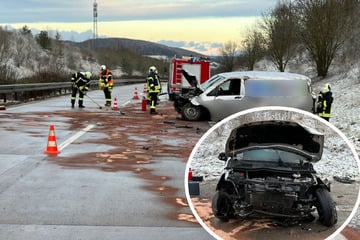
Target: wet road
[[118, 176]]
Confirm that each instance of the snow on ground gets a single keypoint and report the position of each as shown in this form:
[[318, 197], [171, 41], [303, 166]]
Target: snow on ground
[[338, 159]]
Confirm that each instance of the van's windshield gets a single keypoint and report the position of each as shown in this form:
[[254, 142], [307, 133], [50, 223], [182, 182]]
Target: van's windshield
[[211, 82], [270, 155], [276, 88]]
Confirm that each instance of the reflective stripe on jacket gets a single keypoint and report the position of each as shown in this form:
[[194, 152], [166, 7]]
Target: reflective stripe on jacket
[[78, 79], [106, 78], [153, 83]]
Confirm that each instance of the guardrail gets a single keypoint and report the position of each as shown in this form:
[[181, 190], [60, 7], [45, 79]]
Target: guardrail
[[33, 90]]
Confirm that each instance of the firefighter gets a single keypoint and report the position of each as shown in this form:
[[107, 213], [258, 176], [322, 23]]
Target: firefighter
[[106, 84], [148, 86], [154, 88], [79, 82], [325, 100]]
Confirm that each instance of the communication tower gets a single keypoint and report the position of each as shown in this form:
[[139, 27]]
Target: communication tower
[[95, 26]]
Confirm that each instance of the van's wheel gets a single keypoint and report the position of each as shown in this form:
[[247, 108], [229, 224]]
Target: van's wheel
[[222, 206], [326, 207], [191, 112]]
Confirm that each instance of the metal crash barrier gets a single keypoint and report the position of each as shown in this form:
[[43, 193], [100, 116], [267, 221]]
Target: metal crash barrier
[[33, 91]]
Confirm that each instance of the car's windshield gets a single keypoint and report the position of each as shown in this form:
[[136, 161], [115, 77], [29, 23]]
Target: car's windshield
[[211, 81], [273, 88], [269, 155]]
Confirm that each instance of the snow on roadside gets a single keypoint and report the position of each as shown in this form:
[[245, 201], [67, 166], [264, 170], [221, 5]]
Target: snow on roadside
[[336, 152]]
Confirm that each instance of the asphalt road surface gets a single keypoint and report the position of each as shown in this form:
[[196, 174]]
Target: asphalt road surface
[[119, 173]]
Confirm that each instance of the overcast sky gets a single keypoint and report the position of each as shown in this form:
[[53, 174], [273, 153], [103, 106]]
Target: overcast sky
[[200, 23]]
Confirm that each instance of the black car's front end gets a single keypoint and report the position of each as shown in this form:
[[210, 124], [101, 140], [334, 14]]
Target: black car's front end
[[273, 178]]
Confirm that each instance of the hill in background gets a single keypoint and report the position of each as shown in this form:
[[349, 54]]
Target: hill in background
[[24, 60], [141, 47]]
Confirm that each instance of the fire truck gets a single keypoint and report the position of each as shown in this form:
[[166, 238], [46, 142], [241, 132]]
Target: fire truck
[[183, 69]]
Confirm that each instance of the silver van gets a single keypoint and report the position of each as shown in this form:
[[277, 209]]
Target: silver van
[[228, 93]]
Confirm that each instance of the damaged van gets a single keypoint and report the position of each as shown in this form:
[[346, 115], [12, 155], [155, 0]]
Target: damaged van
[[231, 92]]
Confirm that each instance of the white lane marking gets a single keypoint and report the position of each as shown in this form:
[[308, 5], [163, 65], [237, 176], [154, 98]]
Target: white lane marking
[[125, 103], [76, 136]]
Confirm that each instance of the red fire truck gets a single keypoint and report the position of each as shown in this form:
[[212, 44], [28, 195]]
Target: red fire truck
[[198, 69]]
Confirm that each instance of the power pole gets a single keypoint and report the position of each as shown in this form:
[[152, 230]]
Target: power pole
[[95, 26]]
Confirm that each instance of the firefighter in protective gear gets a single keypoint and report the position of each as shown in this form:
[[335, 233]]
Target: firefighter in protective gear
[[79, 83], [106, 84], [325, 100], [154, 88]]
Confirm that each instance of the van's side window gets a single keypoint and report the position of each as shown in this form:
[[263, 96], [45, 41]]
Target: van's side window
[[229, 87]]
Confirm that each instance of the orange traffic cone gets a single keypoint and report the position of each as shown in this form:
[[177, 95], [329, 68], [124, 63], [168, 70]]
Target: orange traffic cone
[[145, 91], [136, 94], [115, 107], [51, 148]]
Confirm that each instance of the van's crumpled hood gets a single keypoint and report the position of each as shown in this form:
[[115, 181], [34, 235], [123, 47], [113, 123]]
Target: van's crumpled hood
[[190, 79], [286, 134]]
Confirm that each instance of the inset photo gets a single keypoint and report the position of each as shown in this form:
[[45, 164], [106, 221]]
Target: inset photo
[[273, 173]]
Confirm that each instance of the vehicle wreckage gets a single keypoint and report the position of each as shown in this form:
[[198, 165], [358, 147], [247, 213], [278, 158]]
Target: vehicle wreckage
[[269, 171]]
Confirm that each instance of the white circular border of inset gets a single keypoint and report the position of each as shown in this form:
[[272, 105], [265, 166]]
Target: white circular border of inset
[[260, 109]]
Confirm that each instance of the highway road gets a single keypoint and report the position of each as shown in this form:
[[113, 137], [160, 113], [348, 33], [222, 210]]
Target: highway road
[[119, 174]]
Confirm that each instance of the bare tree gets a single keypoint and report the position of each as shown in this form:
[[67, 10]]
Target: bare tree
[[254, 48], [6, 71], [351, 47], [4, 46], [228, 52], [280, 30], [57, 45], [324, 27]]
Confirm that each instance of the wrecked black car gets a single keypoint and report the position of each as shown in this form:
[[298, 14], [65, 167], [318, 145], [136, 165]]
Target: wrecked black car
[[269, 172]]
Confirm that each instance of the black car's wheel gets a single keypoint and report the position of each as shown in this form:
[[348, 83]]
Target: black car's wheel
[[191, 112], [222, 206], [326, 207]]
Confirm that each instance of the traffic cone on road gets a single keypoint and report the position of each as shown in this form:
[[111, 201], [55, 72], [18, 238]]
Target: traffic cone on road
[[145, 91], [136, 94], [115, 107], [51, 148]]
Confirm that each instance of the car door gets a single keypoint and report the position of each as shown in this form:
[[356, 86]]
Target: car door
[[226, 98]]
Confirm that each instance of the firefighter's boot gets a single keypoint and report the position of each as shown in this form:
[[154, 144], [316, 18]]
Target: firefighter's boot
[[72, 103], [153, 108], [81, 104], [153, 111]]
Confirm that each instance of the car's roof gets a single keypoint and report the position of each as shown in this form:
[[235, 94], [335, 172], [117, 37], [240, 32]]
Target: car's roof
[[265, 75]]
